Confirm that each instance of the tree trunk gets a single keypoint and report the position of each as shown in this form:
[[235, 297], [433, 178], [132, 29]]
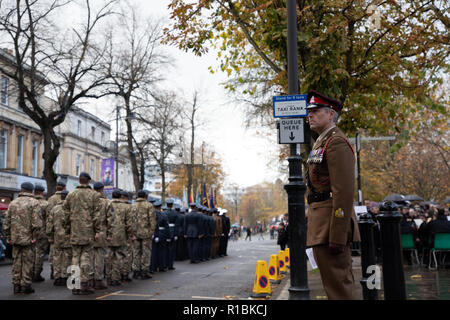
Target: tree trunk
[[50, 154], [134, 167]]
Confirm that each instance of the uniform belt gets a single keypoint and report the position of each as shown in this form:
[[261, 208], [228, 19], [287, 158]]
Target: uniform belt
[[319, 196], [161, 228], [171, 224]]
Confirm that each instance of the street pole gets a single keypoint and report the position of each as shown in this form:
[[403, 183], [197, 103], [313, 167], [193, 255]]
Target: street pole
[[116, 158], [295, 188], [358, 148]]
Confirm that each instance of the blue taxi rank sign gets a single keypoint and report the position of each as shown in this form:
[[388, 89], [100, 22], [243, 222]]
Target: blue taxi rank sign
[[289, 106]]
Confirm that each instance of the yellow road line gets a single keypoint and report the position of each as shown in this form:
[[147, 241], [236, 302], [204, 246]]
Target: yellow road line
[[109, 294]]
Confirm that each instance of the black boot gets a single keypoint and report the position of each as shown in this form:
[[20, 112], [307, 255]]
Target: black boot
[[126, 278], [145, 275], [99, 285], [86, 288], [18, 289], [137, 274], [27, 289]]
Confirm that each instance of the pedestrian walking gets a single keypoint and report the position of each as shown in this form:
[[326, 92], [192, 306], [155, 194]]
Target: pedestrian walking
[[282, 236], [330, 177], [249, 233], [21, 227]]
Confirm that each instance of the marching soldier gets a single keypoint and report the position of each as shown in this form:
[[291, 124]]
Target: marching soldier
[[62, 251], [217, 234], [84, 225], [128, 250], [23, 222], [100, 244], [119, 230], [144, 230], [224, 237], [180, 251], [52, 202], [159, 243], [330, 180], [41, 245], [192, 234], [172, 217]]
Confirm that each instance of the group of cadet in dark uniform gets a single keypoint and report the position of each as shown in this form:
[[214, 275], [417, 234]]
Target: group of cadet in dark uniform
[[198, 234], [106, 238]]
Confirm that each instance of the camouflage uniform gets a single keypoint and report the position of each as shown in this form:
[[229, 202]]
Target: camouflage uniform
[[83, 205], [22, 225], [40, 247], [100, 245], [128, 248], [120, 229], [52, 202], [62, 250], [144, 227]]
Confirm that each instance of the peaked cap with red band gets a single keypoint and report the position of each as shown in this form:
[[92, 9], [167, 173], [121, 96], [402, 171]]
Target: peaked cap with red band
[[315, 99]]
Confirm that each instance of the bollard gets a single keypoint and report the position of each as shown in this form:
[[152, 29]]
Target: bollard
[[393, 275], [365, 225], [287, 258], [274, 270], [281, 262], [261, 284]]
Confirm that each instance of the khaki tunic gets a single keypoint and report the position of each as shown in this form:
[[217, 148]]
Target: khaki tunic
[[332, 220]]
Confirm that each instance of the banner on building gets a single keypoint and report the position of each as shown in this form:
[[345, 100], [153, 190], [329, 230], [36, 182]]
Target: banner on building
[[108, 172]]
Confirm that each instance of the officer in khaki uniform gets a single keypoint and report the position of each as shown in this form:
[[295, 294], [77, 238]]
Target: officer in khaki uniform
[[41, 245], [330, 178]]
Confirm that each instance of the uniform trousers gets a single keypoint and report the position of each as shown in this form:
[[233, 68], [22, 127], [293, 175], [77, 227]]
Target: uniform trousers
[[207, 247], [127, 262], [336, 272], [214, 246], [117, 257], [82, 257], [98, 262], [171, 252], [22, 265], [62, 258], [40, 249], [192, 244], [142, 250]]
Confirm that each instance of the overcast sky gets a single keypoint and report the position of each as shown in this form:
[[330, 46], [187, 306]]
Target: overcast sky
[[245, 156]]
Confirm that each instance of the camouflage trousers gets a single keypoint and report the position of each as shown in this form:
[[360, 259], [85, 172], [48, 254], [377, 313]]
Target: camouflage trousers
[[142, 250], [128, 259], [98, 262], [117, 258], [62, 258], [22, 265], [108, 262], [82, 257], [40, 249]]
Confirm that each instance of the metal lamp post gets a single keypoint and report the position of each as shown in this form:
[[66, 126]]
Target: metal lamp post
[[295, 188]]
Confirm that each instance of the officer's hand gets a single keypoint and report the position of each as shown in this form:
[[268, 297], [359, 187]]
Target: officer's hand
[[156, 239], [185, 236], [50, 240], [133, 238], [33, 240], [108, 239], [8, 241], [175, 238], [336, 248], [96, 236]]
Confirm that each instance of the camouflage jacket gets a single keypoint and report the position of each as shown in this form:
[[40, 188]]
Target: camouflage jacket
[[23, 220], [103, 221], [54, 200], [83, 206], [56, 219], [145, 222], [44, 213], [120, 223]]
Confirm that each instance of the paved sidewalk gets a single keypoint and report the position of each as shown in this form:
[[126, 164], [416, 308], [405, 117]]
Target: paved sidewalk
[[421, 284]]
